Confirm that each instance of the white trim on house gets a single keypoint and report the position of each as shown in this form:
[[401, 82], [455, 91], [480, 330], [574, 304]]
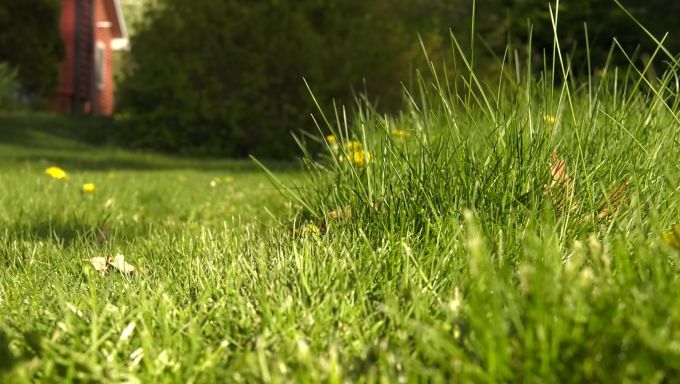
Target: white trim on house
[[100, 65], [122, 43], [121, 19]]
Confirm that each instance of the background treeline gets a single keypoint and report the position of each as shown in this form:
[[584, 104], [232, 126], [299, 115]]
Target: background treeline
[[226, 76], [30, 50]]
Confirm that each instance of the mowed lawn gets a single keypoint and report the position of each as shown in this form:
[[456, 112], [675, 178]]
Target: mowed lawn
[[132, 191], [528, 233], [180, 222]]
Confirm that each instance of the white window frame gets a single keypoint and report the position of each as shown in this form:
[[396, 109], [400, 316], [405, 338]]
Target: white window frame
[[100, 65]]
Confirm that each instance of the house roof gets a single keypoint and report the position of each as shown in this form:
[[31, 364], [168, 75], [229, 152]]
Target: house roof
[[119, 29]]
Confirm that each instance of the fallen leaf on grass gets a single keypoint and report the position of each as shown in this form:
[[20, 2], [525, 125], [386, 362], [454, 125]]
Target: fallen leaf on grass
[[560, 191], [616, 198], [561, 187], [345, 213], [103, 234], [120, 264], [558, 172], [102, 264]]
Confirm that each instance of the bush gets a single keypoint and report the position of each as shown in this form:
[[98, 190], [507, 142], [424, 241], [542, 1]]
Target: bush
[[226, 77]]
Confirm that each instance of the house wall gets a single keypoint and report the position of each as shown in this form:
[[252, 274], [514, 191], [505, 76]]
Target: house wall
[[84, 47], [79, 90], [104, 91], [64, 99], [73, 92]]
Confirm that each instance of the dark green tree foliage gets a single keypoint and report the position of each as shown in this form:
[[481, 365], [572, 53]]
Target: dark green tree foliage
[[210, 74], [605, 21], [226, 76], [30, 41]]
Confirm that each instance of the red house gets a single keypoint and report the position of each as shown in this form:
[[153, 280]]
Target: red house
[[91, 30]]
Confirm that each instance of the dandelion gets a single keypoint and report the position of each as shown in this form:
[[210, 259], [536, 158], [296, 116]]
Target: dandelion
[[332, 143], [353, 145], [359, 158], [399, 133], [311, 229], [56, 173], [88, 188], [213, 183], [550, 119], [672, 237]]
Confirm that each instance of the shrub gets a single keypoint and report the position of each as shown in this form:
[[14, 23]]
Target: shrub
[[226, 77]]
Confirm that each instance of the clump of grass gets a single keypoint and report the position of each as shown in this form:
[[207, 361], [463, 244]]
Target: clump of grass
[[529, 224]]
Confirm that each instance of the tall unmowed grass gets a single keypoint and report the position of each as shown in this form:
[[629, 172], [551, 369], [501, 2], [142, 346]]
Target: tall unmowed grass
[[523, 230], [518, 231]]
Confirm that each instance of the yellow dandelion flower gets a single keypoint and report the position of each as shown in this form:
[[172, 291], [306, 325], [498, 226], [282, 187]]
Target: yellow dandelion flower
[[672, 237], [359, 158], [550, 119], [399, 133], [331, 139], [88, 188], [56, 173], [311, 229], [353, 145]]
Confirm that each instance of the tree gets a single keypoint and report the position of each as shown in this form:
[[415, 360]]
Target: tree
[[226, 76], [605, 22], [30, 41]]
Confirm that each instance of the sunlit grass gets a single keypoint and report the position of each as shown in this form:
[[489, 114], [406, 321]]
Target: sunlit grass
[[519, 233]]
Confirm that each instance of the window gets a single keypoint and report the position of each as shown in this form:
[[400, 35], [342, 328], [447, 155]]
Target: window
[[99, 64]]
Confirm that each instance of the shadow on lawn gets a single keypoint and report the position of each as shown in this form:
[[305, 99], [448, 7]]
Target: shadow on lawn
[[47, 130], [91, 144], [65, 233], [109, 160]]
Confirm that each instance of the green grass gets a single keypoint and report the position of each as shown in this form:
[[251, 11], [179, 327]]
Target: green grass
[[432, 249]]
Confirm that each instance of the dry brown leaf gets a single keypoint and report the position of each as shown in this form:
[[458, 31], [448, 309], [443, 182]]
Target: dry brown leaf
[[616, 198], [345, 213], [120, 264], [100, 264], [103, 234], [560, 190], [558, 172]]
